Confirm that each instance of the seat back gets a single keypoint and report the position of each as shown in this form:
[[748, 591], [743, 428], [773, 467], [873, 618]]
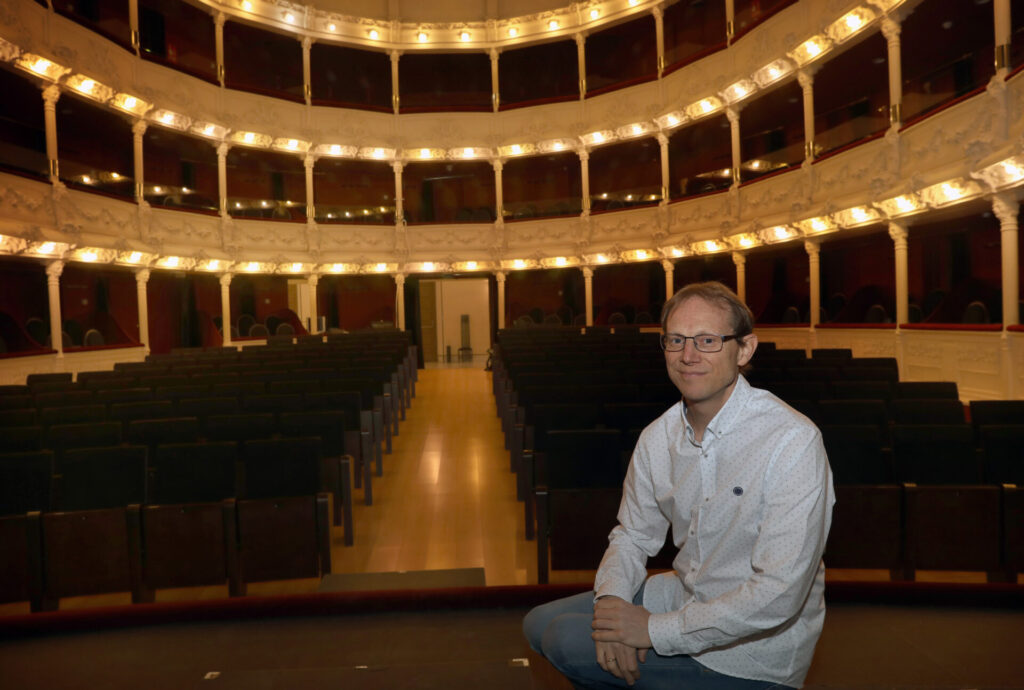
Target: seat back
[[193, 472], [934, 454], [97, 478], [281, 467], [25, 482]]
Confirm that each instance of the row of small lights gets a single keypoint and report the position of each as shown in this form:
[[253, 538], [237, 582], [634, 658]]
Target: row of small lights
[[807, 52], [996, 177], [512, 28]]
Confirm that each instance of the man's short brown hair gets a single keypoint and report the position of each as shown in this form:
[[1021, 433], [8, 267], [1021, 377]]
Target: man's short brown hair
[[714, 293]]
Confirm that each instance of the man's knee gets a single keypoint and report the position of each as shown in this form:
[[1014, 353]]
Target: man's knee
[[533, 627]]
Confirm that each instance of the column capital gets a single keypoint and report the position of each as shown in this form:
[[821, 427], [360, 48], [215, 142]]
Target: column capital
[[657, 12], [399, 279], [812, 247], [223, 148], [583, 153], [51, 94], [662, 139], [219, 19], [397, 166], [55, 268], [497, 165], [309, 161], [588, 272], [313, 279], [1007, 209], [733, 113], [898, 233], [225, 279], [806, 78], [891, 29], [667, 266], [499, 276], [493, 53], [739, 258], [142, 276], [394, 55], [307, 43], [580, 39], [139, 127]]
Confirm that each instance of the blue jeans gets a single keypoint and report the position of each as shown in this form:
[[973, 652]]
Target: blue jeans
[[560, 632]]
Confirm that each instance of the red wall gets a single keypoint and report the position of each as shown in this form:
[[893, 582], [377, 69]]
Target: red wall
[[547, 290], [23, 292], [361, 300]]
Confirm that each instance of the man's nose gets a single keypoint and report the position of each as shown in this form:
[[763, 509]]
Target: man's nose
[[690, 353]]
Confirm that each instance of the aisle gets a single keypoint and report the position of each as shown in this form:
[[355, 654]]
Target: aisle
[[447, 498]]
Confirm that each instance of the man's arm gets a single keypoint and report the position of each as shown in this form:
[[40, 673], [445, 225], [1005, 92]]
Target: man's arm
[[785, 558]]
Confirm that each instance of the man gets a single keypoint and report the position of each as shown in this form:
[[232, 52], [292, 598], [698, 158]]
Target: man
[[743, 481]]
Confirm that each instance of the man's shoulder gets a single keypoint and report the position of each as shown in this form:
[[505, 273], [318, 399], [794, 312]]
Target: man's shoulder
[[765, 403]]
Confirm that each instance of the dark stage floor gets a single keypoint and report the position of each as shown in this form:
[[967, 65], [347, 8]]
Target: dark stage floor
[[865, 645]]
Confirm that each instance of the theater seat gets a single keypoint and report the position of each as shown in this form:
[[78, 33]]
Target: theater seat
[[953, 528]]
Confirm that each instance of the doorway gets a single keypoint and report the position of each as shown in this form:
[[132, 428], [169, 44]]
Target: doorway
[[455, 320]]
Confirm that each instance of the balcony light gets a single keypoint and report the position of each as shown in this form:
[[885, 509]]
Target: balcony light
[[810, 50], [742, 241], [252, 139], [513, 32], [135, 257], [471, 265], [381, 268], [857, 216], [131, 104], [553, 24], [289, 17], [670, 120], [950, 192], [518, 263], [901, 205], [778, 233], [709, 246], [703, 107], [213, 264], [291, 145], [170, 262], [464, 36], [427, 266], [41, 66], [421, 37], [560, 261], [738, 91], [246, 5], [634, 130], [88, 255], [1005, 173], [850, 24], [374, 34], [773, 72], [337, 268], [252, 266]]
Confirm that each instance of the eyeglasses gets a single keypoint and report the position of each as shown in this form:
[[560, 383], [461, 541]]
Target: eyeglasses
[[704, 342]]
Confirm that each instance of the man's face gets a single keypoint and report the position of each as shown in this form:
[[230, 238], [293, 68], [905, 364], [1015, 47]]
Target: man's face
[[705, 378]]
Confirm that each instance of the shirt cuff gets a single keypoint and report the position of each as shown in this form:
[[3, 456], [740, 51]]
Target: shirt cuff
[[663, 629]]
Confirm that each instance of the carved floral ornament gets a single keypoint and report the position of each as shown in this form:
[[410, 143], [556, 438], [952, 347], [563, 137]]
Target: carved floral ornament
[[1004, 174]]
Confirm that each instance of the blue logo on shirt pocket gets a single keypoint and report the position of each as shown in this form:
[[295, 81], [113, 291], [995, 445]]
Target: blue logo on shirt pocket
[[738, 490]]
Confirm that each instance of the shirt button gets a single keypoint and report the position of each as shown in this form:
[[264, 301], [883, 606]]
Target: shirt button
[[691, 532]]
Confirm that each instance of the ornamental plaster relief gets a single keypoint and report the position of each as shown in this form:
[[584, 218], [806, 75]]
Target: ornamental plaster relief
[[19, 27], [776, 194], [857, 172], [630, 227], [25, 200], [700, 214], [958, 135], [346, 240], [527, 235], [461, 240], [192, 229], [78, 212], [267, 235]]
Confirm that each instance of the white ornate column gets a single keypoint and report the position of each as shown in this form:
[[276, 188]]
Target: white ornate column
[[314, 319], [395, 54], [740, 260], [218, 21], [51, 94], [309, 161], [813, 250], [1007, 210], [53, 271], [581, 61], [399, 209], [138, 131], [663, 145], [499, 276], [891, 31], [588, 292], [1004, 30], [222, 177], [733, 113], [499, 197], [806, 80], [659, 33], [225, 308], [307, 82], [400, 301], [141, 280], [585, 178], [495, 86], [898, 233], [670, 269]]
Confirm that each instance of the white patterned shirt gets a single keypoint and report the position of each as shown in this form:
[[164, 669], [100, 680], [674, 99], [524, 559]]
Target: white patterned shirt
[[750, 509]]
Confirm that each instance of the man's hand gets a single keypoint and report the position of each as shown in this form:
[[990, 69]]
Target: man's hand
[[616, 620], [620, 660]]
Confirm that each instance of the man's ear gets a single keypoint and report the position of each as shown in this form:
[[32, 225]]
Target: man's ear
[[746, 350]]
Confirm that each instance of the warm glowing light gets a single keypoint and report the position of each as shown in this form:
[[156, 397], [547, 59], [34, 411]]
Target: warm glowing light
[[638, 129], [471, 265], [249, 137], [421, 37], [89, 256], [774, 72], [428, 266], [560, 261], [378, 153], [553, 24], [296, 268], [130, 102], [1012, 170], [904, 204], [86, 179], [40, 66], [604, 195], [381, 268], [518, 263], [289, 17], [135, 257], [424, 153], [602, 259], [557, 146], [812, 48], [158, 190], [115, 176], [673, 121], [87, 86], [595, 13], [213, 264], [293, 143], [238, 204], [513, 32], [348, 214], [819, 225], [859, 214], [208, 130], [167, 118], [706, 106], [252, 266], [264, 204], [738, 91], [629, 197], [517, 149], [47, 248], [853, 21], [246, 5], [374, 34], [335, 149], [171, 261], [337, 268], [334, 27], [634, 3], [641, 254], [464, 36], [677, 252], [950, 192], [781, 232], [746, 242], [467, 152], [597, 137], [186, 190]]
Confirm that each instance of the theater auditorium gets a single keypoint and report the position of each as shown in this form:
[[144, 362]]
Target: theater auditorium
[[327, 330]]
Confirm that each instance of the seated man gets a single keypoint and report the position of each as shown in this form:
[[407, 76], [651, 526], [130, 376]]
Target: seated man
[[743, 481]]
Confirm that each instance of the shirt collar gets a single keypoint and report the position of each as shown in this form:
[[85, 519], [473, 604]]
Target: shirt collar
[[722, 422]]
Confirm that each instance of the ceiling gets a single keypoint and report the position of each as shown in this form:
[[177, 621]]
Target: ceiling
[[438, 11]]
